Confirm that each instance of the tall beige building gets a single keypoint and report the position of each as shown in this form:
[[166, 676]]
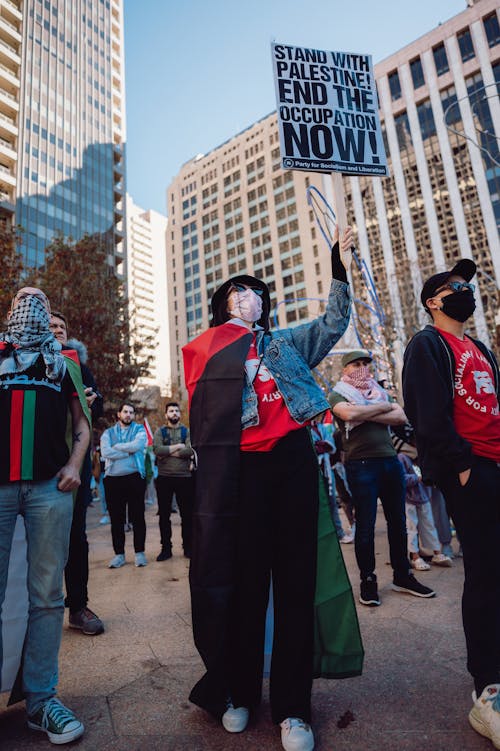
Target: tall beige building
[[440, 113], [235, 210], [147, 290], [62, 122]]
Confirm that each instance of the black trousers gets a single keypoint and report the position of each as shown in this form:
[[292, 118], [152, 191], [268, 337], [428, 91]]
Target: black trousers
[[183, 487], [475, 510], [127, 490], [76, 572], [277, 535]]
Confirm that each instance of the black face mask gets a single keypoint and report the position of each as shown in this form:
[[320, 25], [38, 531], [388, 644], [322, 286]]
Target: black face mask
[[459, 305]]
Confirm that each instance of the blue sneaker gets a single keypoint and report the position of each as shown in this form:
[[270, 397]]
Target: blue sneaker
[[57, 721], [140, 560]]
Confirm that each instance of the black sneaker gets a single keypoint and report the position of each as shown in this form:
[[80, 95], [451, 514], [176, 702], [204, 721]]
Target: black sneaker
[[412, 587], [368, 592], [87, 621], [164, 555]]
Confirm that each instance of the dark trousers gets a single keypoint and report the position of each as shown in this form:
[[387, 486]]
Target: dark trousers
[[183, 487], [277, 534], [127, 490], [475, 510], [76, 573], [368, 480]]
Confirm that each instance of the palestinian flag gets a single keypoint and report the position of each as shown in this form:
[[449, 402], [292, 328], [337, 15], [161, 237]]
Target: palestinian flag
[[214, 366]]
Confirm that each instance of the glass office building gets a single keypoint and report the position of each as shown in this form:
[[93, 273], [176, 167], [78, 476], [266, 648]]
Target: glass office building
[[69, 175]]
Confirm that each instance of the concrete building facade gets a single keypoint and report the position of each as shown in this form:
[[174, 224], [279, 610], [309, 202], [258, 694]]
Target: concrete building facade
[[62, 122], [235, 210], [147, 290], [440, 114]]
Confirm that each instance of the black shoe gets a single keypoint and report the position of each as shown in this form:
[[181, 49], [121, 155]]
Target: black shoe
[[87, 621], [164, 555], [368, 592], [410, 585]]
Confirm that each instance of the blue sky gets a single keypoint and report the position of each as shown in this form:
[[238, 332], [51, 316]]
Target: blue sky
[[199, 71]]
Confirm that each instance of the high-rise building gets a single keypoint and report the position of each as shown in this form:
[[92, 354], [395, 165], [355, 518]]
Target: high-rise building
[[440, 113], [235, 210], [62, 122], [147, 290]]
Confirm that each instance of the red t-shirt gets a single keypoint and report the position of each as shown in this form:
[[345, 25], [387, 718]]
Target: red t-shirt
[[475, 405], [275, 420]]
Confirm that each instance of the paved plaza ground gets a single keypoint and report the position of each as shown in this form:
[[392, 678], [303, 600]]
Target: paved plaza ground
[[130, 685]]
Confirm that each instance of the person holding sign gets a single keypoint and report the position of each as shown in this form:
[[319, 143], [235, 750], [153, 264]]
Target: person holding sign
[[256, 509]]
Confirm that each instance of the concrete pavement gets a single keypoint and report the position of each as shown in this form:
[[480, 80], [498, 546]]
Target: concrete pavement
[[130, 685]]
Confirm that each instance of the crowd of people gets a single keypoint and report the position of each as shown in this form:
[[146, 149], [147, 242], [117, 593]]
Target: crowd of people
[[265, 477]]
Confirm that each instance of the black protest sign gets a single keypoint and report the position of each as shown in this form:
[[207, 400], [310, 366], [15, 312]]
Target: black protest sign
[[327, 111]]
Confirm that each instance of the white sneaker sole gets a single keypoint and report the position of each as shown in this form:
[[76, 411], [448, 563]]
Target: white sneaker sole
[[397, 588], [60, 739], [480, 727]]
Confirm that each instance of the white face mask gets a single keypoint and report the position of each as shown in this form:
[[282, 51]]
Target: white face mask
[[245, 305]]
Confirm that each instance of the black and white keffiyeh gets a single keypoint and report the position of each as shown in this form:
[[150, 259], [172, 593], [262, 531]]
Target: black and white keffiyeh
[[29, 336]]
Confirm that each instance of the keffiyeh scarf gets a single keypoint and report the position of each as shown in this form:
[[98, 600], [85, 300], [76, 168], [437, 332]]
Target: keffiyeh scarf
[[29, 336]]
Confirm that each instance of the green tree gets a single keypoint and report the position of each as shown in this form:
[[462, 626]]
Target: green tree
[[12, 267], [81, 284]]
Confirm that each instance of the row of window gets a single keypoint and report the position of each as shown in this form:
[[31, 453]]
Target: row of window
[[466, 46]]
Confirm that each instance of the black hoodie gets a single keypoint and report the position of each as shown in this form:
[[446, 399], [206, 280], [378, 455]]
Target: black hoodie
[[428, 392]]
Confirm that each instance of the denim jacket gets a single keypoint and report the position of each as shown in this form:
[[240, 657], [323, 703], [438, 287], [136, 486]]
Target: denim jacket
[[289, 355]]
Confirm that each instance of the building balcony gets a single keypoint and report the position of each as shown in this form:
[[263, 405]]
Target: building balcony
[[8, 151], [9, 78], [9, 52], [7, 178], [9, 31], [7, 125], [11, 10], [8, 103]]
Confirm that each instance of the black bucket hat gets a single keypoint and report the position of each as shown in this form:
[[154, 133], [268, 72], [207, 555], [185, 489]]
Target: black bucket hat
[[219, 300], [466, 268]]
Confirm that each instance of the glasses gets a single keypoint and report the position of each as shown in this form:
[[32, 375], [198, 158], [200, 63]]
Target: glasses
[[243, 288], [457, 287]]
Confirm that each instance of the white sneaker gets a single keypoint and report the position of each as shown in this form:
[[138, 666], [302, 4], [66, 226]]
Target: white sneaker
[[347, 538], [440, 559], [296, 735], [117, 562], [485, 714], [235, 719], [419, 564], [140, 560]]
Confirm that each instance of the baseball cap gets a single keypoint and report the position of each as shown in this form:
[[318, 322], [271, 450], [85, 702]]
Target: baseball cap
[[466, 268], [356, 354]]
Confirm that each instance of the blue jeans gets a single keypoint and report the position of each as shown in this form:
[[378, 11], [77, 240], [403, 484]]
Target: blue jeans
[[368, 480], [47, 517]]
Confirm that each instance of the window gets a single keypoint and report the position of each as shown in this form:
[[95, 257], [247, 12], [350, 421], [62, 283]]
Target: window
[[440, 59], [492, 29], [465, 44], [417, 73], [394, 85], [426, 120]]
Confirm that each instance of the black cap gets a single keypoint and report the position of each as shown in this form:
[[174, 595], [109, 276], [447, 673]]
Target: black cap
[[466, 268], [219, 300]]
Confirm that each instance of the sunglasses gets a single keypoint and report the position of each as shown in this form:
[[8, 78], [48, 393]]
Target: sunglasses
[[243, 288], [457, 287]]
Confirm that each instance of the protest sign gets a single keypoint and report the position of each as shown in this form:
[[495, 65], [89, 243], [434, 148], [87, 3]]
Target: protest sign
[[327, 111]]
